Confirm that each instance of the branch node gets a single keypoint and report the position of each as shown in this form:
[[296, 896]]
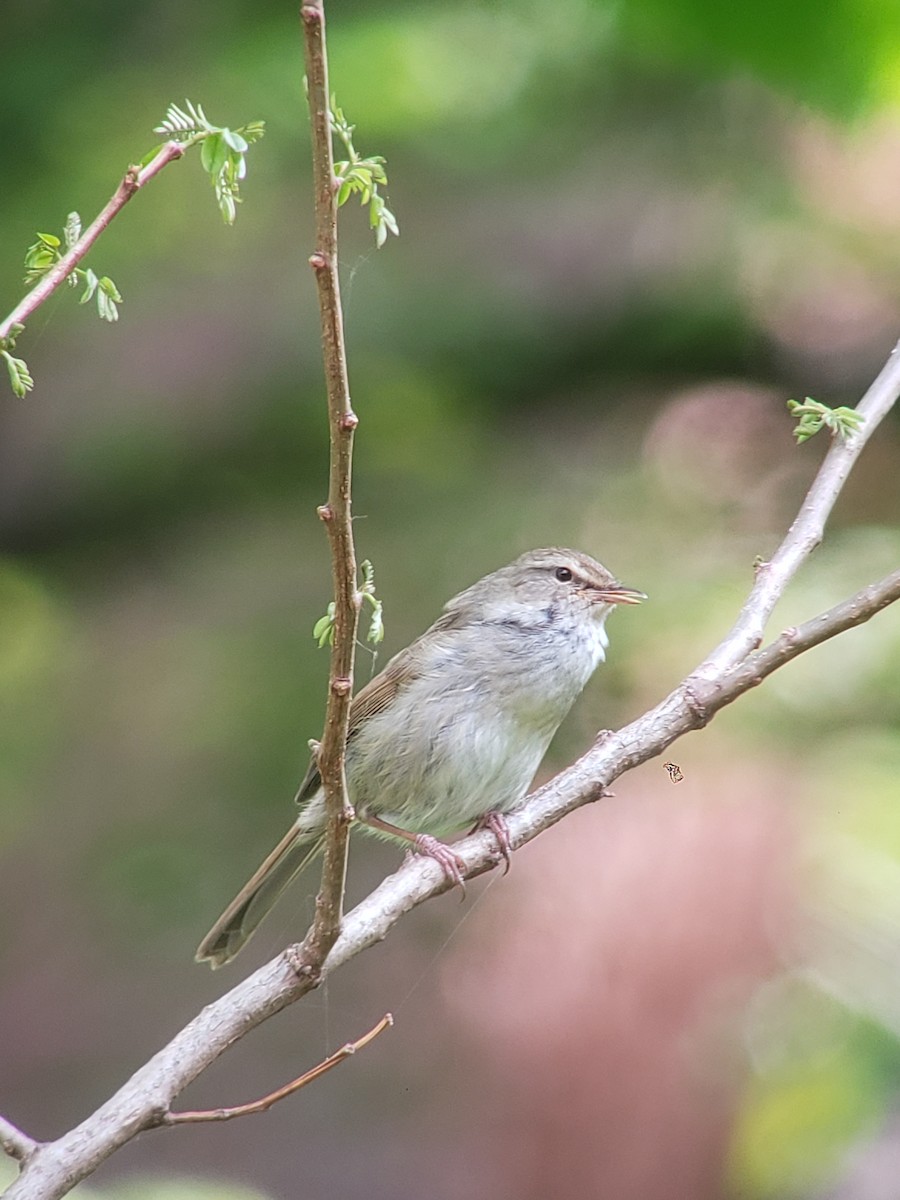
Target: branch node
[[16, 1144], [325, 512], [341, 685], [695, 706], [296, 961], [760, 565], [318, 261], [349, 420]]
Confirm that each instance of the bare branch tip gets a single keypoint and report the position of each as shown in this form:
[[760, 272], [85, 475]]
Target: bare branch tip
[[19, 1145], [311, 14]]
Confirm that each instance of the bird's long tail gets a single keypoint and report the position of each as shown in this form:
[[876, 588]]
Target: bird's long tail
[[257, 896]]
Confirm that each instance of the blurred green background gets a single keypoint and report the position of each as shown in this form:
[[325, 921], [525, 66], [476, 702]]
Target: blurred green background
[[629, 232]]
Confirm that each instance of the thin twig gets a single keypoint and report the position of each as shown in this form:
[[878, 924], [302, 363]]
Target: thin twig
[[259, 1106], [336, 513], [15, 1143], [849, 613], [132, 181], [808, 527]]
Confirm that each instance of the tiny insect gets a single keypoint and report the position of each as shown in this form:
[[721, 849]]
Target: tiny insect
[[674, 771]]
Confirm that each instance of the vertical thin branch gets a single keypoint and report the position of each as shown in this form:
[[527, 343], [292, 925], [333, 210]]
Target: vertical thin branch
[[336, 512]]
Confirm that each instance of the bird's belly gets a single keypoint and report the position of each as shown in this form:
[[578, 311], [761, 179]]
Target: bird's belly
[[441, 783]]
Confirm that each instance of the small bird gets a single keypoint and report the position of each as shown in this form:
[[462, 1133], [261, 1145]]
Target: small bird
[[452, 731]]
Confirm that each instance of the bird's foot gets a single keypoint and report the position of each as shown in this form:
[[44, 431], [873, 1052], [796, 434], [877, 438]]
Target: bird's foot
[[451, 864], [496, 823]]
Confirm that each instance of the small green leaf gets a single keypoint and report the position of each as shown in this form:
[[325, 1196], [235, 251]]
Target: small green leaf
[[72, 229], [90, 281], [40, 257], [106, 307], [213, 154], [151, 154], [323, 630], [362, 177], [107, 299], [110, 288], [253, 132], [376, 623], [367, 588], [235, 141], [19, 375]]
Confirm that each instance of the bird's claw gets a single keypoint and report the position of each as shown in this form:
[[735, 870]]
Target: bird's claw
[[451, 864], [496, 823]]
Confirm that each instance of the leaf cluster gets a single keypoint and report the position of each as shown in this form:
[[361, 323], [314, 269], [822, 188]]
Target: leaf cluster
[[46, 253], [19, 376], [323, 630], [223, 156], [223, 151], [361, 176], [814, 416]]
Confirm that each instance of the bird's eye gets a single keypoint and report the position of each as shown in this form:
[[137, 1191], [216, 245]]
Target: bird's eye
[[563, 574]]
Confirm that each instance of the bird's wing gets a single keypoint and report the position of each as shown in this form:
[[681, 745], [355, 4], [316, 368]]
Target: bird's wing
[[373, 698]]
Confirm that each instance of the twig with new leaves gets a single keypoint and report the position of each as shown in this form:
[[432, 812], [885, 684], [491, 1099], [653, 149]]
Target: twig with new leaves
[[223, 156], [362, 177]]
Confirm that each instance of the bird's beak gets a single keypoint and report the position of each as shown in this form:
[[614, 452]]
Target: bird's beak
[[619, 595]]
